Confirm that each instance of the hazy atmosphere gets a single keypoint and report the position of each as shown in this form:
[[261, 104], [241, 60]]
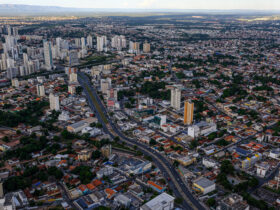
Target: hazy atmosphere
[[156, 4]]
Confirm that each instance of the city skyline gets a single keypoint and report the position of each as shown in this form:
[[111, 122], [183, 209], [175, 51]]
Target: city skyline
[[157, 4]]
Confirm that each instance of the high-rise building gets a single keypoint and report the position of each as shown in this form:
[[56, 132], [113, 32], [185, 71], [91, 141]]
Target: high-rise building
[[146, 47], [69, 70], [4, 61], [101, 43], [25, 60], [73, 77], [89, 41], [77, 42], [12, 73], [54, 102], [15, 83], [105, 85], [83, 43], [10, 42], [48, 55], [106, 150], [15, 31], [118, 42], [72, 89], [188, 112], [134, 47], [58, 46], [73, 58], [176, 98], [112, 94], [41, 90], [10, 63], [9, 30]]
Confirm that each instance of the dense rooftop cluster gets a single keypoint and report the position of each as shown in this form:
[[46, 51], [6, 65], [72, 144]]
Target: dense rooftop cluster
[[140, 113]]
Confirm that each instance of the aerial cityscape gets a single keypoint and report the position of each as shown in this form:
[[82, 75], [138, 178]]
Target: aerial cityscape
[[152, 108]]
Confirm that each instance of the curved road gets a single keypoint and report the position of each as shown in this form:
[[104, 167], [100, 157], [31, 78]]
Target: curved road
[[177, 185]]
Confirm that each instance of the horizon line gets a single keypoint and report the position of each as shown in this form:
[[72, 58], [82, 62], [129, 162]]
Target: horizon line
[[120, 8]]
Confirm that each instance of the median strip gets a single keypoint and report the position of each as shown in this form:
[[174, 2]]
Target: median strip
[[96, 105]]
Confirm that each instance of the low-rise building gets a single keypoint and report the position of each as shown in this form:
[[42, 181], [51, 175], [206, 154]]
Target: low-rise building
[[79, 126], [106, 171], [233, 202], [202, 128], [262, 169], [163, 201], [204, 185], [275, 153], [123, 200], [186, 160], [209, 163]]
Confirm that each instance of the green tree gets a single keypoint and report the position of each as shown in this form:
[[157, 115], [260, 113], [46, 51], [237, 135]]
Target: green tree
[[178, 200], [96, 154], [6, 139], [153, 142], [54, 171], [67, 135], [211, 202]]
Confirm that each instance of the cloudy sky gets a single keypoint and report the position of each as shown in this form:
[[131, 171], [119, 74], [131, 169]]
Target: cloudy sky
[[156, 4]]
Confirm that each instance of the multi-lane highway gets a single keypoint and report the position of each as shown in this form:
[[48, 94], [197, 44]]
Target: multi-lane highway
[[176, 183]]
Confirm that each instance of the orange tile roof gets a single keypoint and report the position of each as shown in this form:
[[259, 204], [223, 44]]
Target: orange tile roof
[[155, 185], [90, 186], [109, 192], [82, 187], [72, 168], [62, 161], [96, 182]]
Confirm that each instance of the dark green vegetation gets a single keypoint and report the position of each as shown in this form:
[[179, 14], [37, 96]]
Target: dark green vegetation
[[31, 144], [241, 188], [95, 60], [84, 173], [14, 183], [30, 115], [155, 90], [234, 90], [154, 74]]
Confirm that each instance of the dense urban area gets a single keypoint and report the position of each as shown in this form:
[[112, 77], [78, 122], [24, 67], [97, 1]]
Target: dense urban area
[[151, 113]]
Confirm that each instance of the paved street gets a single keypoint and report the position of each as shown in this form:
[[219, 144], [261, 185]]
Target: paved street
[[176, 183]]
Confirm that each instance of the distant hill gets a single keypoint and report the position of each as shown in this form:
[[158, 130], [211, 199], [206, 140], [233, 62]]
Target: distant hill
[[19, 10]]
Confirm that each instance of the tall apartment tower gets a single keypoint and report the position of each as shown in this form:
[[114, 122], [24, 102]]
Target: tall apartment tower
[[188, 112], [134, 47], [146, 47], [176, 98], [48, 55], [105, 85], [41, 90], [54, 102], [118, 42], [89, 41], [101, 43], [83, 42]]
